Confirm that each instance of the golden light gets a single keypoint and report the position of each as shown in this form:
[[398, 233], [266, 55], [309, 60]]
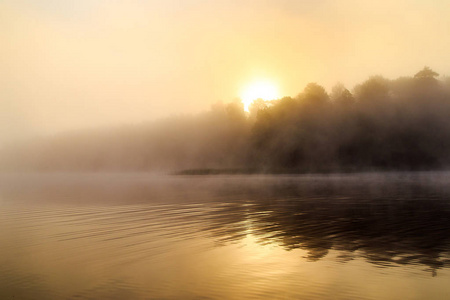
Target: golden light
[[265, 90]]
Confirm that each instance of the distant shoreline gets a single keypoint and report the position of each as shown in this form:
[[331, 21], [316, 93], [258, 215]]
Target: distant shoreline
[[250, 171]]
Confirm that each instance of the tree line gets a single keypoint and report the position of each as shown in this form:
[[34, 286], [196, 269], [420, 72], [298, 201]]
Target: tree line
[[382, 124]]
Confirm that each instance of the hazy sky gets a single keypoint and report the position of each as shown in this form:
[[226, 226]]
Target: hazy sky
[[84, 63]]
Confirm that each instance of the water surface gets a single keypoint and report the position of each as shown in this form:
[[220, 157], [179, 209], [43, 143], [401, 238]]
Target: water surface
[[141, 236]]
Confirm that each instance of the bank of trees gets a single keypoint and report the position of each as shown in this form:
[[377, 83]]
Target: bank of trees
[[383, 124], [380, 124]]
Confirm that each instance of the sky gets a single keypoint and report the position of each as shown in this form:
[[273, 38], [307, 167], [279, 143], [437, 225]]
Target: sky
[[69, 65]]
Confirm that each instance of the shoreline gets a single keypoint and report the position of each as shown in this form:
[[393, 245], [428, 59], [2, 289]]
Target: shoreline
[[250, 171]]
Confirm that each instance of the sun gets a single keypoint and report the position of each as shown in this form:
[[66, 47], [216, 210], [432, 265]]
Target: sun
[[265, 90]]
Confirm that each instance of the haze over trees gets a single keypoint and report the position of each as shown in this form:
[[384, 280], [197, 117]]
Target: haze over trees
[[401, 124]]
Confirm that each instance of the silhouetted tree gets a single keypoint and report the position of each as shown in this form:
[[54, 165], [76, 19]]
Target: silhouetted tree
[[426, 73], [314, 94]]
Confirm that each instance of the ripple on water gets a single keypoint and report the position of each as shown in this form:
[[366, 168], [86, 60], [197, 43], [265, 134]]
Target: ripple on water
[[271, 237]]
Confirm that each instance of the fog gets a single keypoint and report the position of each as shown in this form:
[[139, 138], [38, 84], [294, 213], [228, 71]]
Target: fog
[[390, 219], [71, 65], [326, 125], [383, 124]]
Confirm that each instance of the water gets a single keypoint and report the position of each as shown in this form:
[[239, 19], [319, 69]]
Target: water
[[140, 236]]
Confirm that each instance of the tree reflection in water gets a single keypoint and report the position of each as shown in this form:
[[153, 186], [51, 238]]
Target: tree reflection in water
[[389, 223], [389, 219]]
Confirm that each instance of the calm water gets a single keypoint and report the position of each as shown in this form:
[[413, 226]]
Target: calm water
[[138, 236]]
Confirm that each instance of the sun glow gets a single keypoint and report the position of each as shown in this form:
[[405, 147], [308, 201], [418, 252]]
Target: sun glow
[[265, 90]]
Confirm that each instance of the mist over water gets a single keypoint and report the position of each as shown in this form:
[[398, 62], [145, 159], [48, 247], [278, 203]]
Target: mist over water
[[141, 236], [224, 149], [90, 215]]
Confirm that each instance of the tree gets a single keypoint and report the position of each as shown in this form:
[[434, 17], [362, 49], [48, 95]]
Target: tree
[[426, 73], [373, 91], [255, 107], [314, 94], [341, 96]]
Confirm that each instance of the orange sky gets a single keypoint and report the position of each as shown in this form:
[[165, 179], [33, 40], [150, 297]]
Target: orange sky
[[66, 65]]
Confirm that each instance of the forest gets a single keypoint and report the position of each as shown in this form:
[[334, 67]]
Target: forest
[[381, 124]]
